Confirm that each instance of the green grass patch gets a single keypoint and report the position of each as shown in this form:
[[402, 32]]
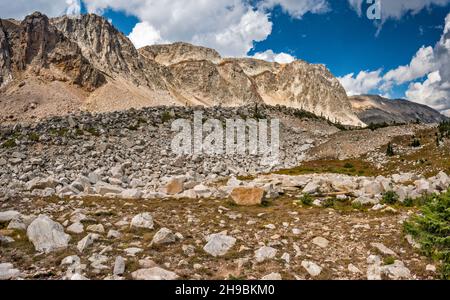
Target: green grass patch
[[389, 260], [306, 200], [166, 117], [62, 132], [11, 143], [431, 229], [34, 137]]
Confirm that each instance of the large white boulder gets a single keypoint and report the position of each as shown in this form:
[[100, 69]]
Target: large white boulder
[[46, 235]]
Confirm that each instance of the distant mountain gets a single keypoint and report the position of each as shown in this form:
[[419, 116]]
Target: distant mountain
[[65, 64], [376, 109]]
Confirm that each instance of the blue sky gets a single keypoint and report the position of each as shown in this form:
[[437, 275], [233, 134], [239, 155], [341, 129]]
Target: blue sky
[[406, 54], [348, 43]]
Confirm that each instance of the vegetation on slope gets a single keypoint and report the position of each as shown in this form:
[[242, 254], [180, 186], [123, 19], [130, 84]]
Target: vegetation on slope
[[431, 229]]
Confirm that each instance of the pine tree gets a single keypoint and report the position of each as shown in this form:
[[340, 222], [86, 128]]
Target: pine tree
[[390, 150]]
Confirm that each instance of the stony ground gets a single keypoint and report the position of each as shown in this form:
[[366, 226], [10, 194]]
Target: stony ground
[[101, 197], [338, 242]]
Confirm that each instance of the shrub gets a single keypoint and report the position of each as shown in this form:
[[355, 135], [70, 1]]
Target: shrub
[[431, 229], [328, 203], [389, 260], [390, 150], [166, 117], [408, 202], [444, 129], [34, 137], [416, 143], [306, 200], [348, 166], [11, 143], [93, 131], [390, 197], [357, 205]]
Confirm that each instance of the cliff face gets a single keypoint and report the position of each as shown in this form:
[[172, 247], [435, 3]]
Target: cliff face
[[310, 87], [213, 80], [36, 46], [376, 110], [99, 69]]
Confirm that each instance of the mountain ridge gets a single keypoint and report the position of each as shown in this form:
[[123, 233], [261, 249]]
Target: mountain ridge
[[374, 109], [55, 66]]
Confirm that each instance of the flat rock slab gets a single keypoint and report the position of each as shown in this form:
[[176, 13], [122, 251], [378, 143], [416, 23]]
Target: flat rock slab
[[155, 273]]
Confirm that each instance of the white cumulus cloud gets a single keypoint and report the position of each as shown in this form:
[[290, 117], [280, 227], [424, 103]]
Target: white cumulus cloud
[[363, 83], [73, 7], [421, 64], [297, 8], [269, 55], [144, 34], [229, 26], [433, 63]]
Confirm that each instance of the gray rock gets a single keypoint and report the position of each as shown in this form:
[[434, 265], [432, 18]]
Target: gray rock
[[423, 186], [103, 189], [321, 242], [8, 272], [7, 216], [98, 228], [311, 188], [131, 194], [4, 240], [119, 266], [76, 228], [155, 273], [40, 184], [164, 236], [312, 268], [219, 244], [144, 220], [113, 234], [273, 277], [265, 253], [383, 249], [98, 261], [46, 235], [87, 241], [396, 271], [78, 277], [188, 250], [133, 251]]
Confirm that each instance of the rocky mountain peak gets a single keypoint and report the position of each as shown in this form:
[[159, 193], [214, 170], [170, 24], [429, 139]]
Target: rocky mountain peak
[[177, 52], [100, 42]]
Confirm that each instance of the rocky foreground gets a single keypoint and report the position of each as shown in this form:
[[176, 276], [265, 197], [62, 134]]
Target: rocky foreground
[[237, 229], [102, 197]]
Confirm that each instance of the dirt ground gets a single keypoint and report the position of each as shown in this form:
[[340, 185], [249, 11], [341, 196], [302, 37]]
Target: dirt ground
[[349, 231]]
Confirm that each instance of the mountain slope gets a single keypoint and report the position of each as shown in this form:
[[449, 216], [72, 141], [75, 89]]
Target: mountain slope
[[54, 66], [375, 109]]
